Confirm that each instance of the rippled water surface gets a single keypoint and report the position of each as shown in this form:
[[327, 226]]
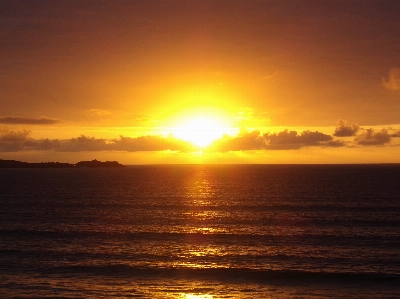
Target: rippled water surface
[[201, 231]]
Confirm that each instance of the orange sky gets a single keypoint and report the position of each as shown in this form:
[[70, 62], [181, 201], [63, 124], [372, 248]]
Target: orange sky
[[289, 81]]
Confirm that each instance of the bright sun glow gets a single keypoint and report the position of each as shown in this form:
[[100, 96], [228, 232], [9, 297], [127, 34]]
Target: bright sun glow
[[201, 130]]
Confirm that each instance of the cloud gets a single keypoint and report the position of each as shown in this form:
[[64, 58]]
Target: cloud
[[83, 143], [244, 141], [284, 140], [344, 130], [246, 114], [291, 140], [371, 137], [11, 141], [138, 144], [313, 138], [393, 81], [17, 120], [43, 145], [395, 134], [248, 117], [99, 112], [270, 76], [12, 136]]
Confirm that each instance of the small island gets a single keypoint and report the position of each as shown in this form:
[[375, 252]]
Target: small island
[[89, 164], [95, 163]]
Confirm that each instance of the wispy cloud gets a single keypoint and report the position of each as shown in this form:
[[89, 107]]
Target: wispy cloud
[[270, 76], [395, 134], [99, 112], [17, 120], [151, 143], [393, 81]]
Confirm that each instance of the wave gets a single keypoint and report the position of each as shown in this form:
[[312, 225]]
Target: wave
[[233, 275]]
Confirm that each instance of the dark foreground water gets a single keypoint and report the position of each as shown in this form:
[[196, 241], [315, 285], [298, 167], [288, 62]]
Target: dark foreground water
[[271, 231]]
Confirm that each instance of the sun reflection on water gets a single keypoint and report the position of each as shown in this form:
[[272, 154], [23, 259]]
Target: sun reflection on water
[[205, 252], [201, 219], [195, 296]]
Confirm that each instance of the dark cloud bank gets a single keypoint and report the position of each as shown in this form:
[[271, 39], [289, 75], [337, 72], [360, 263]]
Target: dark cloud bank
[[11, 141], [284, 140], [17, 120]]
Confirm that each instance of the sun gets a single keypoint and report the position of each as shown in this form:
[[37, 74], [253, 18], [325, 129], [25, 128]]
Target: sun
[[201, 131]]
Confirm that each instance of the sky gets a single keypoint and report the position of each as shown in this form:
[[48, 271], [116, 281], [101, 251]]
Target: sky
[[159, 81]]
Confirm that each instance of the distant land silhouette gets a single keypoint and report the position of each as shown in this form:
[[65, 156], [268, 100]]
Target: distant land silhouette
[[81, 164]]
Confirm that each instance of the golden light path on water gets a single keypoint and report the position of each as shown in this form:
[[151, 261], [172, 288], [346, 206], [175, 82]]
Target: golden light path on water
[[199, 194], [192, 296], [201, 249]]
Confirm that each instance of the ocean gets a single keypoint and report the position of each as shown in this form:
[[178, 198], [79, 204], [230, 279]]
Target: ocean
[[201, 231]]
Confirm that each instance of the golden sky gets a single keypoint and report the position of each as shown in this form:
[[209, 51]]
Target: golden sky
[[162, 81]]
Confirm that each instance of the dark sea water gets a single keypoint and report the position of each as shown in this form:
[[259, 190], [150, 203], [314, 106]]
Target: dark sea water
[[201, 231]]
